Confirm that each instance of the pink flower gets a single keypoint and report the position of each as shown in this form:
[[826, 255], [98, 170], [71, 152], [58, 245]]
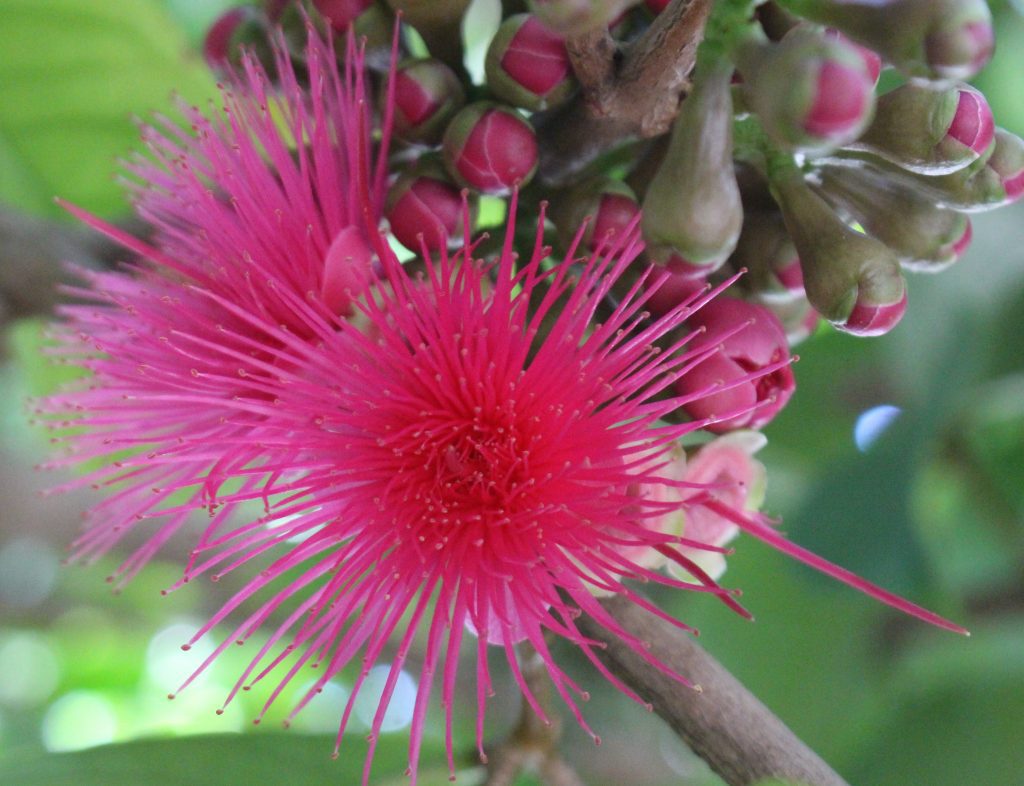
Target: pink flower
[[750, 367], [278, 195], [425, 463]]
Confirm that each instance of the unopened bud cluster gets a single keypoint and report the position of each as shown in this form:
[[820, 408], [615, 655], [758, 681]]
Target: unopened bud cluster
[[787, 178]]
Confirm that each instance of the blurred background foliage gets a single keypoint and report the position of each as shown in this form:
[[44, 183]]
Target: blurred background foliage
[[901, 458]]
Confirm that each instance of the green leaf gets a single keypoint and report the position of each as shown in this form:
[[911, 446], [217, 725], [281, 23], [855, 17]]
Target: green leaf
[[213, 760], [72, 75]]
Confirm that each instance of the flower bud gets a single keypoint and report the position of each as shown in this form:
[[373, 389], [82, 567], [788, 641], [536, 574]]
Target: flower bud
[[527, 64], [427, 95], [766, 251], [572, 17], [994, 180], [935, 39], [808, 90], [923, 235], [930, 131], [341, 13], [609, 204], [851, 279], [872, 60], [669, 288], [233, 30], [692, 208], [749, 338], [490, 148], [425, 209]]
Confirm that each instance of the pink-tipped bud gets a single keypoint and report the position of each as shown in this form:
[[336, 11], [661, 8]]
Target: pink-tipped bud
[[490, 148], [934, 39], [341, 13], [608, 205], [749, 339], [347, 270], [527, 64], [668, 290], [873, 319], [656, 6], [235, 28], [960, 246], [960, 48], [809, 90], [425, 209], [972, 124], [871, 59], [840, 102], [1007, 165], [572, 17], [922, 234], [427, 96], [850, 278], [931, 131], [767, 253]]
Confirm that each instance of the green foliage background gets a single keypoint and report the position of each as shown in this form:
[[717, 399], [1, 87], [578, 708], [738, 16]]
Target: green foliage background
[[935, 509]]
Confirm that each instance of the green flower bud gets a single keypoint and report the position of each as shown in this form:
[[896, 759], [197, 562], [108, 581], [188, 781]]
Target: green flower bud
[[809, 90], [572, 17], [490, 148], [426, 209], [608, 205], [994, 180], [924, 236], [527, 64], [766, 251], [851, 279], [935, 39], [427, 96], [692, 207], [928, 130]]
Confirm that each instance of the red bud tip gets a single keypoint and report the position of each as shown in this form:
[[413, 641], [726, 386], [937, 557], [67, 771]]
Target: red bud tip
[[871, 320], [614, 214], [656, 6], [217, 44], [536, 58], [791, 276], [1014, 186], [671, 289], [972, 124], [498, 153], [961, 245], [431, 208], [872, 60], [841, 100], [960, 52], [341, 13], [412, 100]]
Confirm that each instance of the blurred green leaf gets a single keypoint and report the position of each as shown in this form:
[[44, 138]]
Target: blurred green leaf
[[72, 75], [953, 715], [212, 760]]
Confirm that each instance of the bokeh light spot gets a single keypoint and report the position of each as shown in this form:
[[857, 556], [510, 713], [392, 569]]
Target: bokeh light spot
[[872, 423]]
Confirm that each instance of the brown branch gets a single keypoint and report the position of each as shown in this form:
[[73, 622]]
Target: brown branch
[[722, 722], [624, 95], [33, 257]]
